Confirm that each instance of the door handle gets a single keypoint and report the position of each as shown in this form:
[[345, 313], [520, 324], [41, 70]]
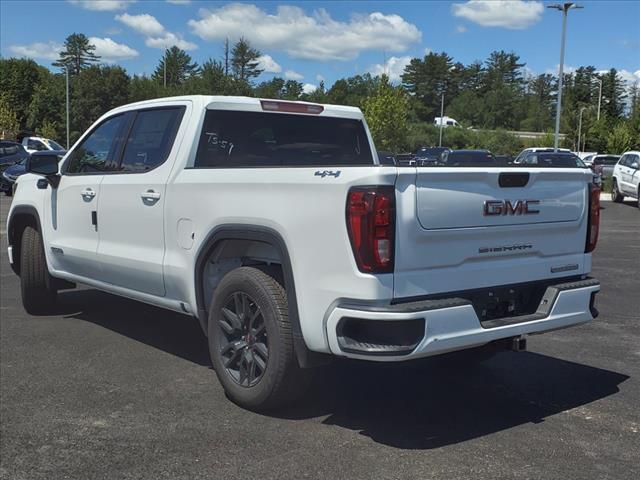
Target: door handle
[[88, 193], [150, 195]]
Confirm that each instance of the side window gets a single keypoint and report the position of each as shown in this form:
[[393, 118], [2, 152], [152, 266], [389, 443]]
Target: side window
[[36, 145], [623, 160], [151, 139], [631, 159], [96, 151]]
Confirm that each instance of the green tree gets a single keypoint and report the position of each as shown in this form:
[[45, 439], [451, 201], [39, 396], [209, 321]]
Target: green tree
[[613, 94], [95, 91], [426, 80], [48, 129], [179, 67], [244, 61], [48, 105], [18, 80], [620, 139], [386, 112], [77, 55], [9, 124], [270, 89]]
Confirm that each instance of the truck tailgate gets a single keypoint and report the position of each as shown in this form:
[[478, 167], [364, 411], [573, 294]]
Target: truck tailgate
[[468, 228]]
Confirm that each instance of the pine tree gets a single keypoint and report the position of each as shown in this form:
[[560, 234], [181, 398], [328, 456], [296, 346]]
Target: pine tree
[[244, 61], [179, 67], [77, 55]]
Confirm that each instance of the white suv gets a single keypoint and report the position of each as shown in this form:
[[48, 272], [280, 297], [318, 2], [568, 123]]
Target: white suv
[[626, 177], [276, 225]]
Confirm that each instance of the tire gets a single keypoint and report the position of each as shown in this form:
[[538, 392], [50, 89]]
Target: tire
[[251, 341], [36, 284], [616, 196]]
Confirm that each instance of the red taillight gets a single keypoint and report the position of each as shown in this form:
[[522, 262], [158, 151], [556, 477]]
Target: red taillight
[[593, 226], [371, 219]]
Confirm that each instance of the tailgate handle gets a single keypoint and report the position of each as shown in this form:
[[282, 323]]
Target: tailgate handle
[[513, 179]]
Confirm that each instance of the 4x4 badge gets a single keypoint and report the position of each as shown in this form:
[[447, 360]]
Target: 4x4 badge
[[328, 173]]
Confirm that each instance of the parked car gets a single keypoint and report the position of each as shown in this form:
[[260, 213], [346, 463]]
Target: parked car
[[537, 149], [430, 155], [39, 144], [603, 165], [468, 158], [551, 159], [626, 177], [274, 224], [446, 122], [386, 158], [11, 153], [11, 174]]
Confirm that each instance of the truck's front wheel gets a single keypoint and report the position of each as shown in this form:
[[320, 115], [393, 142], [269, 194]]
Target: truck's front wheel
[[251, 343], [36, 284]]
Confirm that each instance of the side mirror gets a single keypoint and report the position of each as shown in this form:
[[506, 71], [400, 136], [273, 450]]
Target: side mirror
[[635, 165], [45, 165]]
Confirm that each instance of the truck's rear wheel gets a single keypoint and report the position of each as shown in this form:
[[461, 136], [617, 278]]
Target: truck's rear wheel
[[36, 284], [251, 343], [616, 196]]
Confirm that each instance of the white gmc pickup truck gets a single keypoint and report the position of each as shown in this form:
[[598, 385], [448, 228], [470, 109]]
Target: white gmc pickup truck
[[275, 224]]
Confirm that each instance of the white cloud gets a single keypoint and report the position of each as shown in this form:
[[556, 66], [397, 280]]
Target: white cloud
[[309, 88], [565, 69], [143, 23], [102, 5], [627, 76], [314, 37], [268, 64], [46, 51], [320, 78], [512, 14], [393, 68], [291, 75], [110, 51], [179, 2], [157, 35], [461, 29], [427, 51], [169, 40]]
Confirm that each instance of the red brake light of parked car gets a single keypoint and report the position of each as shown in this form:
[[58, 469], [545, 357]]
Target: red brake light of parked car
[[593, 226], [371, 219], [274, 106]]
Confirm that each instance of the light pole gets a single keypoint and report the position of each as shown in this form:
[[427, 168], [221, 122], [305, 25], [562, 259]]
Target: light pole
[[441, 118], [599, 80], [66, 72], [564, 8], [580, 126]]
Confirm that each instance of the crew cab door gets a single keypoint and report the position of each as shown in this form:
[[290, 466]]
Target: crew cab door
[[131, 207], [70, 215]]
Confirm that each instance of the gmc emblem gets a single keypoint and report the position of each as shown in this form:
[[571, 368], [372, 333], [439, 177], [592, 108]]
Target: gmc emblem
[[505, 207]]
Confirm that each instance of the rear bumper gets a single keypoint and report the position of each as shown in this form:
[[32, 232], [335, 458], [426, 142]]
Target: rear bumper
[[452, 324]]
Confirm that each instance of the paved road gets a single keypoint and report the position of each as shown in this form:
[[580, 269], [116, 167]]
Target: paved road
[[110, 388]]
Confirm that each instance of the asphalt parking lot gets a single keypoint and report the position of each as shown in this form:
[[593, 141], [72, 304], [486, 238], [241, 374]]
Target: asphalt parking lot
[[110, 388]]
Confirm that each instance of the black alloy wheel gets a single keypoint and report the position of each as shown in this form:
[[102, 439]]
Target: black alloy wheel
[[244, 346]]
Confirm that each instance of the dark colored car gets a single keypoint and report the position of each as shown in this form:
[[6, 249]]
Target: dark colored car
[[468, 158], [386, 158], [430, 155], [11, 153], [603, 165], [11, 173], [552, 159]]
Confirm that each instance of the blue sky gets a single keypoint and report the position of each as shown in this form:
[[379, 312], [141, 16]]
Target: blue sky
[[309, 41]]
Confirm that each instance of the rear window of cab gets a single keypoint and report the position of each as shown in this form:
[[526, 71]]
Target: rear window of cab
[[233, 139]]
